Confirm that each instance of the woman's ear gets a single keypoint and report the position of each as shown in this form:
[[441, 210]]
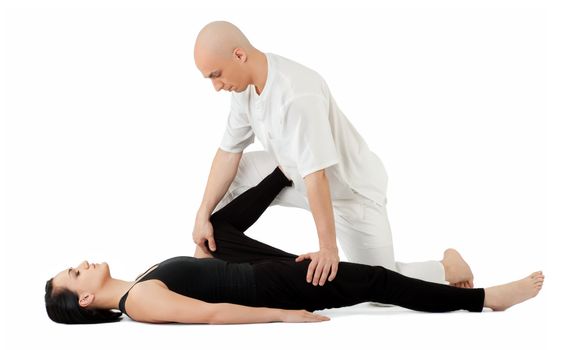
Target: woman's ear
[[86, 299]]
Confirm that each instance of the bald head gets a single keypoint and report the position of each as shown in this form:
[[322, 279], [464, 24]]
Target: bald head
[[224, 55], [219, 39]]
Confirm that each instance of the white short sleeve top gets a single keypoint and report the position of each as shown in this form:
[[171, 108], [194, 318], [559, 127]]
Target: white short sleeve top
[[299, 123]]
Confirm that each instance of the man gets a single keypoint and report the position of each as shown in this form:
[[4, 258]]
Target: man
[[290, 109]]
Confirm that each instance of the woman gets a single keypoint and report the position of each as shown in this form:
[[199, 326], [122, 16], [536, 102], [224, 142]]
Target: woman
[[250, 282]]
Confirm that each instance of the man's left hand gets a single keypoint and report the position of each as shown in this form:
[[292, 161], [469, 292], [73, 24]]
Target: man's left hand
[[324, 263]]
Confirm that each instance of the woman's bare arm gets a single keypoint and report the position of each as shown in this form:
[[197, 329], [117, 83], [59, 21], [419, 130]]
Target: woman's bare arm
[[154, 303]]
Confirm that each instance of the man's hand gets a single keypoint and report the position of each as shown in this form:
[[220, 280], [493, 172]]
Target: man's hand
[[324, 263], [223, 171], [203, 233]]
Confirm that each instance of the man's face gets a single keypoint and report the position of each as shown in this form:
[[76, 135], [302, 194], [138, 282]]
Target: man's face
[[226, 73]]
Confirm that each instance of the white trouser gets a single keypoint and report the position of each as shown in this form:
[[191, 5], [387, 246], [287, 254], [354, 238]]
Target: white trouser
[[362, 226]]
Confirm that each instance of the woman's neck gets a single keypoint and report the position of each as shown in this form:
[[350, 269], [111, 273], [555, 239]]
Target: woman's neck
[[109, 295]]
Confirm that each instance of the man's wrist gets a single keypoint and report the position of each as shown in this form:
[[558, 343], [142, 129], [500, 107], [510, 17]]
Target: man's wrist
[[203, 213], [329, 247]]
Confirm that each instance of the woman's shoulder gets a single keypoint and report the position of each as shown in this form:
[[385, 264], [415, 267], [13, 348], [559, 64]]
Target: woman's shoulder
[[142, 297], [151, 301]]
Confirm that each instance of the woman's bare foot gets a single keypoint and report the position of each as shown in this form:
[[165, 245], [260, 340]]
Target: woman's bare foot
[[457, 271], [501, 297]]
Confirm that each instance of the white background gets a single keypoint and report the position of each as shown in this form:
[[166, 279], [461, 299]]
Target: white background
[[109, 131]]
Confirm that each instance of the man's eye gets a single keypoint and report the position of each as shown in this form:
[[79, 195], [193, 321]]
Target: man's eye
[[77, 273]]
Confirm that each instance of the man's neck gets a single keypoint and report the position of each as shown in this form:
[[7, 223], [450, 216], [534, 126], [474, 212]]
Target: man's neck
[[260, 70]]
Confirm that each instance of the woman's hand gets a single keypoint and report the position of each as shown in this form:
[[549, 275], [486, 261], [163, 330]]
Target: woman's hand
[[302, 316]]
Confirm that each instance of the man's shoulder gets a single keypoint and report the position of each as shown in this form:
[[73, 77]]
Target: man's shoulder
[[290, 67], [297, 78]]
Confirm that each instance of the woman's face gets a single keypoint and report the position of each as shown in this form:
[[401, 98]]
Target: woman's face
[[84, 278]]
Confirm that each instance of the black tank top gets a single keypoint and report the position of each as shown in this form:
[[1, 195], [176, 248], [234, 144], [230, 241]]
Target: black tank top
[[210, 280]]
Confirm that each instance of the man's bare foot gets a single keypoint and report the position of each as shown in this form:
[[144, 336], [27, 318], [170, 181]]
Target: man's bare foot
[[501, 297], [457, 271]]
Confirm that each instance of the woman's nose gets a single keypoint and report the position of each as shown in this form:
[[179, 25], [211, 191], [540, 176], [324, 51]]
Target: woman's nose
[[84, 264]]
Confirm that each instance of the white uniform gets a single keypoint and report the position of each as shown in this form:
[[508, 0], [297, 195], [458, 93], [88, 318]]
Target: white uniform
[[302, 129]]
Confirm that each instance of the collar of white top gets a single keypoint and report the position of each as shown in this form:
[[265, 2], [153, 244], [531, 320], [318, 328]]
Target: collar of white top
[[260, 99]]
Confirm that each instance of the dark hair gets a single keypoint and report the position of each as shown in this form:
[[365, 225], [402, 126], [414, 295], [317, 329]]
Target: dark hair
[[63, 307]]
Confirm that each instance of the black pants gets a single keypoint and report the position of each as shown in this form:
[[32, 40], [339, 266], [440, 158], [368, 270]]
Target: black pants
[[281, 282]]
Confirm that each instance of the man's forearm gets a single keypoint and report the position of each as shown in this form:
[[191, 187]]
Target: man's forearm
[[319, 195], [223, 171]]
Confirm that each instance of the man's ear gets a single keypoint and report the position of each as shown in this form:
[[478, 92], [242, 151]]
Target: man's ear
[[86, 299], [240, 55]]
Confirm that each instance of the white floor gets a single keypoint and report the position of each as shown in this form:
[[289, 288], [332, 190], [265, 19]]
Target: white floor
[[362, 326], [525, 326]]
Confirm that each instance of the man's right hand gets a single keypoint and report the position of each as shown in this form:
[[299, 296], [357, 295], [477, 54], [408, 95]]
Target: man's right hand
[[203, 233], [223, 171]]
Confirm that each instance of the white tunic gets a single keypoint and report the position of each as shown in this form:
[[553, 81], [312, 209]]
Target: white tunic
[[298, 122]]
